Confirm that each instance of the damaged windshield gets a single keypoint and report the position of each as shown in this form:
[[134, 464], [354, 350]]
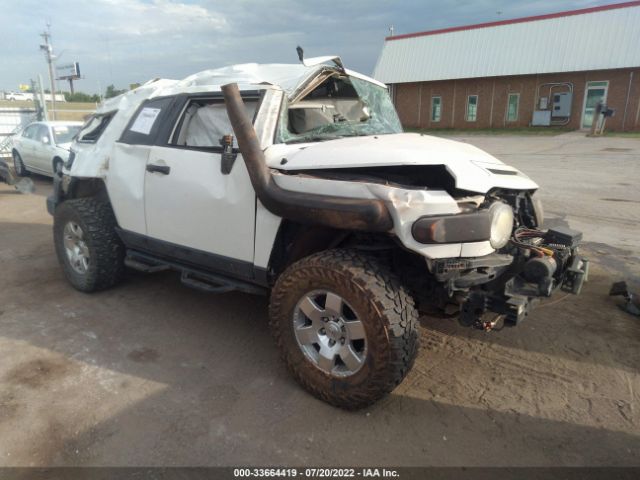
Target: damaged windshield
[[339, 107]]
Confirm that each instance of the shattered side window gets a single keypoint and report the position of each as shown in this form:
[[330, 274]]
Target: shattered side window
[[205, 122], [340, 107], [92, 130]]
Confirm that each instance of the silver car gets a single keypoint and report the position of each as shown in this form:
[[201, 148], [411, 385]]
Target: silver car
[[42, 146]]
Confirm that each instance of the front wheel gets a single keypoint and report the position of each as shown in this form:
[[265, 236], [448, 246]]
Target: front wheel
[[18, 165], [346, 327], [87, 245]]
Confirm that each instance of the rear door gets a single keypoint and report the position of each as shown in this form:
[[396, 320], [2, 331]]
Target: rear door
[[43, 150], [128, 161], [189, 201], [24, 144]]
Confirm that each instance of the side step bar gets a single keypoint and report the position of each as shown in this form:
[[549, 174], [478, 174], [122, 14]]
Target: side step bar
[[206, 285], [200, 280], [145, 267]]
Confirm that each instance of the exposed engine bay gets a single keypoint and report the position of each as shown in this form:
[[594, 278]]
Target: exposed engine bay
[[532, 264], [527, 262]]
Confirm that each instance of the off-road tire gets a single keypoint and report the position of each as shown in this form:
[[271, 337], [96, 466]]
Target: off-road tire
[[18, 165], [382, 304], [106, 251]]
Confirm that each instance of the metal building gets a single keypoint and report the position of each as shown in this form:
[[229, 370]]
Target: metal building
[[544, 70]]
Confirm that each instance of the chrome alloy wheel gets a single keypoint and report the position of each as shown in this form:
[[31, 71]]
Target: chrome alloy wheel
[[330, 333], [76, 248]]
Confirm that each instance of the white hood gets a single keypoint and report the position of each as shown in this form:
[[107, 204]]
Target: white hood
[[470, 166]]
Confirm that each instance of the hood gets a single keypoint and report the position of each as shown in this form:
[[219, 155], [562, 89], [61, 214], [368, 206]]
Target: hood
[[473, 169]]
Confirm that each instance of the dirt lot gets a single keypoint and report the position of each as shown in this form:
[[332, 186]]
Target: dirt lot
[[153, 373]]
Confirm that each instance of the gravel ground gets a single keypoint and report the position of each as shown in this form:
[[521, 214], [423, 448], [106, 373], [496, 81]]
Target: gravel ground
[[153, 373]]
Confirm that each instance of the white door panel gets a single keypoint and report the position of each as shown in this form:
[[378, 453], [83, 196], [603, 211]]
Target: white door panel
[[125, 185], [27, 152], [197, 206], [45, 154], [41, 157]]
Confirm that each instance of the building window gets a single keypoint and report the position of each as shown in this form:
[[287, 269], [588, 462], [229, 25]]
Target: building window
[[436, 108], [472, 108], [512, 107]]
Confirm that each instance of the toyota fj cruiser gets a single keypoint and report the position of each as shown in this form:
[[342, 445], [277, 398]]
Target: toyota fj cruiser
[[297, 181]]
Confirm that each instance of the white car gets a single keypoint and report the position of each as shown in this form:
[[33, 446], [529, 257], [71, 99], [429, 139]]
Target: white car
[[43, 146], [319, 201], [18, 96]]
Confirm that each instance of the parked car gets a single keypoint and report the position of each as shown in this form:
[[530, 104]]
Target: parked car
[[42, 146], [18, 96], [319, 201]]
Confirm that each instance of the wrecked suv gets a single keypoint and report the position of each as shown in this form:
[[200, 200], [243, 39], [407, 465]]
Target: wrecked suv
[[297, 181]]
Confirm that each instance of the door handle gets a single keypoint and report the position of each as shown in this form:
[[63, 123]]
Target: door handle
[[164, 169]]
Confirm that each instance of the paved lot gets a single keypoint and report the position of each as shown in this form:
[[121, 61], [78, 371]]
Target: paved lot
[[153, 373]]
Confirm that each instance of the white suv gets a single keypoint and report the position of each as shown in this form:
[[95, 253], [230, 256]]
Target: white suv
[[296, 181]]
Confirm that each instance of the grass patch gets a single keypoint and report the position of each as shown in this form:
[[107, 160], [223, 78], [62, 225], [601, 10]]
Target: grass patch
[[534, 131], [622, 134], [59, 105], [68, 111]]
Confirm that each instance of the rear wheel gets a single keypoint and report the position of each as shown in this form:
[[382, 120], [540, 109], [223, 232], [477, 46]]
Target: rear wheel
[[346, 327], [87, 245], [18, 165]]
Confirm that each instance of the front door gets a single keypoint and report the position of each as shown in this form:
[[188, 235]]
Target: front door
[[27, 144], [595, 92], [189, 201]]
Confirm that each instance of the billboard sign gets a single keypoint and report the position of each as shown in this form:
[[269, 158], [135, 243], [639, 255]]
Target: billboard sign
[[70, 71]]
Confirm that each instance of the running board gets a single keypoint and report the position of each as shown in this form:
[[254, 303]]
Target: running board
[[206, 285], [198, 279], [145, 267]]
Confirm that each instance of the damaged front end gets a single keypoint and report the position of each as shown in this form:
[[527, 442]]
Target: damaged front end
[[341, 161], [531, 265]]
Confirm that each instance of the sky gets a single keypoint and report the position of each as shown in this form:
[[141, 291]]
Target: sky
[[121, 42]]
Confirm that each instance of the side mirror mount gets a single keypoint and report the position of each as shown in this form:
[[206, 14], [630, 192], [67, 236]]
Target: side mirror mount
[[45, 140], [228, 155]]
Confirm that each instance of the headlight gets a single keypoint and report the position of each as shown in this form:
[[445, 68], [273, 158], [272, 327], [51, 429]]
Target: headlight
[[501, 224]]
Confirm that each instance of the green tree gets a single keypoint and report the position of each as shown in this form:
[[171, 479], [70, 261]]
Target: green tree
[[81, 97], [112, 92]]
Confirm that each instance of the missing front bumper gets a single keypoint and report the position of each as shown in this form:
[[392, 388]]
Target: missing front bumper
[[519, 296]]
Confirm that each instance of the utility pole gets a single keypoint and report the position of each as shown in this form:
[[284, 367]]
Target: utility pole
[[36, 101], [45, 113], [47, 48]]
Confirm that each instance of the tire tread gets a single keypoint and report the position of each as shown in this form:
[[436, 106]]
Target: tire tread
[[99, 223], [393, 303]]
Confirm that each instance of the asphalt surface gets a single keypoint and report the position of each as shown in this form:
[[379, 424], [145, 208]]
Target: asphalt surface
[[153, 373]]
